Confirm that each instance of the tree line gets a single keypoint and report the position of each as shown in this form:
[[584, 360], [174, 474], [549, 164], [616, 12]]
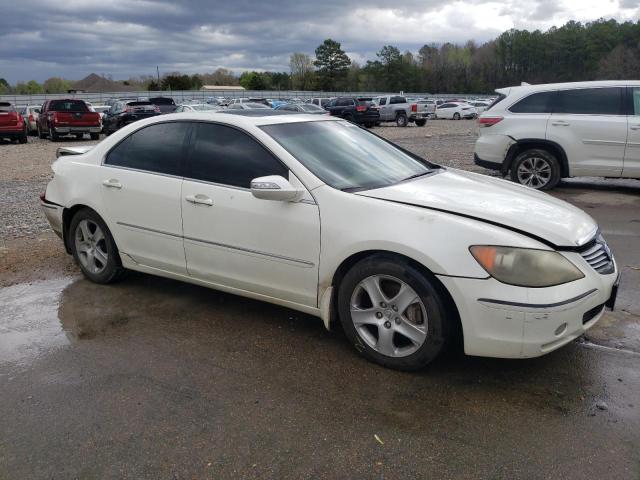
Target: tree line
[[603, 49]]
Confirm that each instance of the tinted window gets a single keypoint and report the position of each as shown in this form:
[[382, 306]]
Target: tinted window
[[156, 148], [383, 101], [162, 101], [324, 102], [536, 103], [68, 106], [636, 101], [228, 156], [345, 102], [589, 101], [397, 100]]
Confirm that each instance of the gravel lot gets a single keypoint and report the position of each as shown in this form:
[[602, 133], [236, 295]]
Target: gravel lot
[[26, 168]]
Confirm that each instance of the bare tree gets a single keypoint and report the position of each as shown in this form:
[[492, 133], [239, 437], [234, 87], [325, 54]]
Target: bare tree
[[302, 72]]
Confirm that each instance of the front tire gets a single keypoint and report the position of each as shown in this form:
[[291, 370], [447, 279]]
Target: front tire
[[93, 247], [392, 313], [537, 169]]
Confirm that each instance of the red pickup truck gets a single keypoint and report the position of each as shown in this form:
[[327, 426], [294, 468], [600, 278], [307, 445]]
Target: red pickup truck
[[12, 125], [68, 117]]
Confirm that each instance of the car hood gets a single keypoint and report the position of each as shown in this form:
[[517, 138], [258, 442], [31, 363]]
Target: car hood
[[495, 201]]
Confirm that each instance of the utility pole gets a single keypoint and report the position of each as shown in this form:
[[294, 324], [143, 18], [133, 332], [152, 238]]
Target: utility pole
[[158, 72]]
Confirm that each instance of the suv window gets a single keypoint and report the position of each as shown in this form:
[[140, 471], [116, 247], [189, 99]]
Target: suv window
[[383, 101], [636, 101], [536, 103], [589, 101], [395, 100], [225, 155], [156, 148], [344, 102]]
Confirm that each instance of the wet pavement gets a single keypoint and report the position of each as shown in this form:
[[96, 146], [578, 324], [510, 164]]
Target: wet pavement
[[152, 378]]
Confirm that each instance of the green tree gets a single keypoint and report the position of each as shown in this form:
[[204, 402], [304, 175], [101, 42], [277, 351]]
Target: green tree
[[56, 85], [4, 86], [332, 65], [252, 81], [30, 88]]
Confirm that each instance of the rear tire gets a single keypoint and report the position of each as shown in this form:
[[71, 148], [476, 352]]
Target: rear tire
[[79, 136], [421, 123], [404, 331], [94, 136], [401, 120], [536, 168], [40, 134], [456, 116], [93, 247], [53, 135], [23, 138]]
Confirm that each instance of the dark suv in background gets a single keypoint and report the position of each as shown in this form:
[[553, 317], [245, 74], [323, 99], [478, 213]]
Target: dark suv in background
[[354, 110], [165, 104], [124, 113]]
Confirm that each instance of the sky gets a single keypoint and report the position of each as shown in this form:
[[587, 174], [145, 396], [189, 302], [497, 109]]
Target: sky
[[122, 38]]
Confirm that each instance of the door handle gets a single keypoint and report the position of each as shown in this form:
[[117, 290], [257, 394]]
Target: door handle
[[199, 199], [560, 123], [112, 183], [635, 127]]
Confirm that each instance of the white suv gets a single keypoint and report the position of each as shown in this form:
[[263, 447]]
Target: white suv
[[542, 133]]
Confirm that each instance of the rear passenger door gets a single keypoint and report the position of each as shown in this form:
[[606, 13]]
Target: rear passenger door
[[235, 240], [591, 125]]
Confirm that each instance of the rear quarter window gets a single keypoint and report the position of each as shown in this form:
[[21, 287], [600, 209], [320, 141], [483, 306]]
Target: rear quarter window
[[540, 102]]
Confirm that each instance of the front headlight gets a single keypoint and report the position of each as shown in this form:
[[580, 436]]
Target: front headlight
[[525, 267]]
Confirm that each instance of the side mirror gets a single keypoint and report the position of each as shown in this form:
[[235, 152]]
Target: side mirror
[[275, 187]]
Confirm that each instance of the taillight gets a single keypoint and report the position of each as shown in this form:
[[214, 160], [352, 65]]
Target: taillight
[[361, 108], [489, 121], [414, 108], [53, 118], [31, 117], [128, 109]]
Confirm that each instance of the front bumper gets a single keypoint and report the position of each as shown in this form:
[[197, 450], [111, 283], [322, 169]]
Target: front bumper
[[506, 321], [53, 212]]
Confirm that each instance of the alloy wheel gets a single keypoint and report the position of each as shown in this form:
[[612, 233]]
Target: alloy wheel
[[534, 172], [91, 246], [389, 315]]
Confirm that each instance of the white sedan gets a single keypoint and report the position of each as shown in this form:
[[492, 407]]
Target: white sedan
[[319, 215], [456, 111]]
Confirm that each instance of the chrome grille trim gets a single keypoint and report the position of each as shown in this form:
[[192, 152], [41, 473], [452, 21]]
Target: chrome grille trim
[[597, 254]]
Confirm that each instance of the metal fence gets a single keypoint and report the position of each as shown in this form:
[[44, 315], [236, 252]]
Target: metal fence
[[185, 95]]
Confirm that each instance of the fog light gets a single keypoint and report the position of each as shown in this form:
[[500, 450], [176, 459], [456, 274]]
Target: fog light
[[561, 329]]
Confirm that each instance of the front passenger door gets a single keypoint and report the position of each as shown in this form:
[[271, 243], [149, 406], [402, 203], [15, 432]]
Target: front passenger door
[[233, 239], [631, 167]]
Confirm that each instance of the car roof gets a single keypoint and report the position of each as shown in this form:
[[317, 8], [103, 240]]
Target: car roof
[[243, 118], [566, 85]]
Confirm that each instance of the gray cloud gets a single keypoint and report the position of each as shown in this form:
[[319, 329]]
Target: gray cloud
[[41, 38]]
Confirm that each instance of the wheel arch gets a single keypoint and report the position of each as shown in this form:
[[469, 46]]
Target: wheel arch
[[67, 215], [531, 143], [354, 258]]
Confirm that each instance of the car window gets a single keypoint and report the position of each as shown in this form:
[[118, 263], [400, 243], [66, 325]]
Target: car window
[[395, 100], [383, 101], [68, 106], [345, 102], [6, 107], [589, 101], [324, 102], [536, 103], [228, 156], [636, 101], [156, 148]]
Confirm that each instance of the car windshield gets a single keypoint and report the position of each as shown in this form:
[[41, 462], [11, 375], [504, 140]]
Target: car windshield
[[204, 107], [346, 156], [309, 107]]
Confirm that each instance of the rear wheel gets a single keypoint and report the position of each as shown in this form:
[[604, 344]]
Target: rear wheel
[[41, 134], [421, 123], [401, 120], [537, 169], [456, 116], [79, 136], [23, 138], [93, 248], [95, 136], [53, 135], [393, 313]]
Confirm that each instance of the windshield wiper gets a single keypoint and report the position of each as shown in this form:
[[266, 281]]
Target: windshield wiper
[[411, 177]]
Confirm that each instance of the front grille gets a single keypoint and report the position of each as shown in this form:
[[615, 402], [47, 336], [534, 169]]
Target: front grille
[[591, 314], [598, 255]]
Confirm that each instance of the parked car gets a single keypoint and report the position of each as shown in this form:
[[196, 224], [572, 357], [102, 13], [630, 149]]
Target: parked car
[[395, 108], [540, 134], [166, 104], [240, 101], [197, 107], [479, 106], [249, 106], [302, 108], [429, 106], [413, 254], [276, 102], [455, 111], [124, 113], [68, 116], [354, 110], [30, 114], [12, 125], [320, 101]]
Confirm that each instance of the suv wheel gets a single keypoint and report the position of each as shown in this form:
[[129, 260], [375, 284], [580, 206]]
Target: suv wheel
[[401, 120], [536, 168], [40, 133], [53, 135], [393, 313]]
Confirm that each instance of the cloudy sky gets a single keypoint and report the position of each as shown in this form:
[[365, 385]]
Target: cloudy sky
[[72, 38]]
